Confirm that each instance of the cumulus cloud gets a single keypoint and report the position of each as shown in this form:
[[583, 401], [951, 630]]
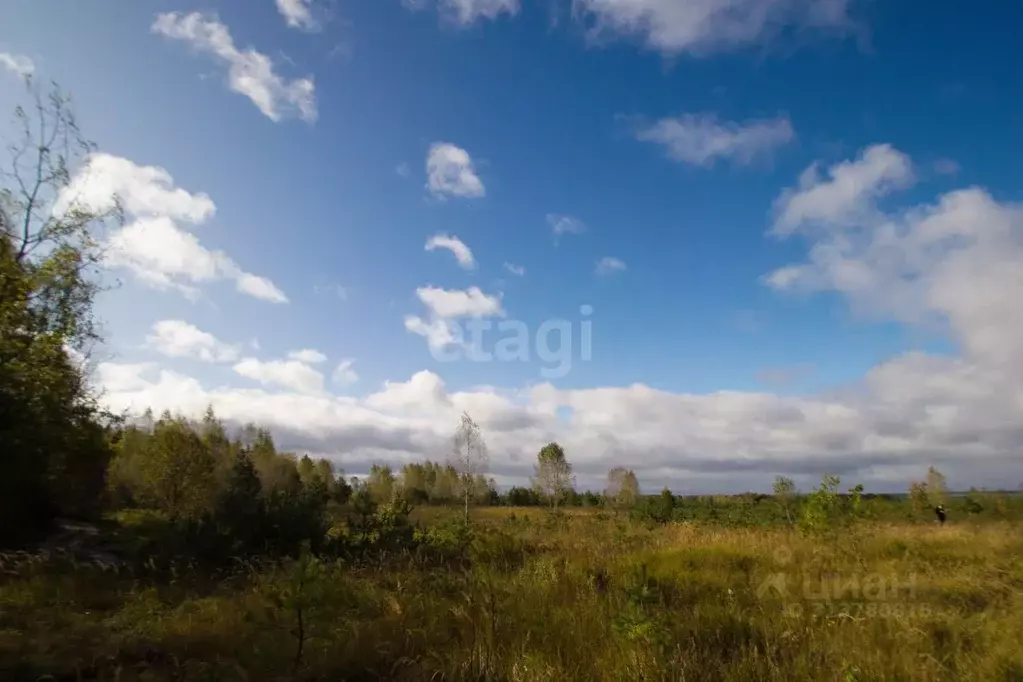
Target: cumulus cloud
[[122, 378], [179, 339], [152, 245], [955, 263], [142, 191], [467, 12], [565, 224], [309, 356], [956, 260], [456, 246], [289, 374], [17, 64], [298, 14], [249, 73], [439, 333], [847, 194], [609, 265], [901, 417], [450, 172], [345, 374], [455, 303], [702, 140], [163, 256], [701, 28], [254, 285], [446, 306], [334, 290]]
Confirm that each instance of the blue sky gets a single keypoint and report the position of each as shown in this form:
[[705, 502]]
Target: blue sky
[[672, 138]]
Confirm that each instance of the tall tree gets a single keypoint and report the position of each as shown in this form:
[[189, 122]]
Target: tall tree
[[552, 475], [784, 494], [415, 483], [239, 508], [936, 487], [918, 498], [307, 470], [53, 445], [381, 483], [622, 488], [470, 459], [179, 471]]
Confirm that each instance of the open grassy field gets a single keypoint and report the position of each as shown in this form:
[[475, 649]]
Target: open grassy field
[[530, 596]]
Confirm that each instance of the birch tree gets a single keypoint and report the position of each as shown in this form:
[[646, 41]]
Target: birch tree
[[469, 457], [552, 476]]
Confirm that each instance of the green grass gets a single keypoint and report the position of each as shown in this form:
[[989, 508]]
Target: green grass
[[585, 596]]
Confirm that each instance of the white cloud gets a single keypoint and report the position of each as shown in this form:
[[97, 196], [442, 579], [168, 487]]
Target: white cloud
[[904, 416], [847, 195], [344, 374], [255, 286], [701, 140], [17, 64], [467, 12], [707, 26], [289, 374], [250, 73], [309, 356], [445, 307], [163, 256], [610, 265], [179, 339], [455, 303], [450, 172], [424, 389], [954, 264], [565, 224], [516, 270], [121, 378], [439, 333], [455, 246], [141, 190], [152, 246], [956, 261], [298, 14]]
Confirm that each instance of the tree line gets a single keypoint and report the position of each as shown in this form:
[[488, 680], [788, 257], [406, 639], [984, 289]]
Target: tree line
[[62, 455]]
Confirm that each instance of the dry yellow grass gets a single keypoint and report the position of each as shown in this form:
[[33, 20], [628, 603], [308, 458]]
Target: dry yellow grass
[[579, 597]]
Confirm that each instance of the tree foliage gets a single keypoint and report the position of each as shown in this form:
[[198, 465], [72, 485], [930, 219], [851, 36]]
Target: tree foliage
[[53, 444], [936, 487], [469, 458], [821, 506], [552, 475], [622, 489], [784, 494], [235, 496]]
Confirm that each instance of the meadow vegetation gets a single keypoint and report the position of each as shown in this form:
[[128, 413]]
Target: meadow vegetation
[[530, 594], [165, 548]]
